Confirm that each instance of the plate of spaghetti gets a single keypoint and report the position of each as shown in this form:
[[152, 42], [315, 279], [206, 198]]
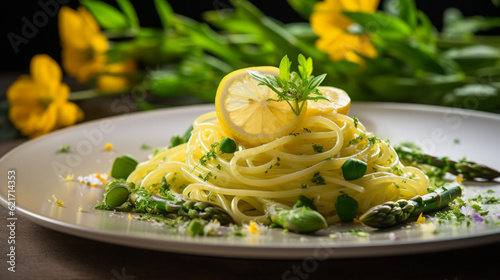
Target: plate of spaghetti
[[268, 174]]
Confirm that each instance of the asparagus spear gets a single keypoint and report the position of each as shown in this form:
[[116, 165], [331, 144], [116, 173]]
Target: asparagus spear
[[469, 170], [392, 213], [143, 201]]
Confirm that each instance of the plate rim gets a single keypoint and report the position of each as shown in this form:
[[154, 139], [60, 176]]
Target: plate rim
[[253, 251]]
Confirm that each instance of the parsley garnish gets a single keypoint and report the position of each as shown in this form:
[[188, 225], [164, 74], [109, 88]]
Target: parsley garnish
[[64, 149], [357, 139], [212, 154], [317, 179], [317, 148], [373, 140], [292, 87], [356, 122]]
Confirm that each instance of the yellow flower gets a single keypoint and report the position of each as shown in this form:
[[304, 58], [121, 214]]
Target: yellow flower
[[39, 103], [108, 146], [340, 37], [83, 45], [420, 220], [114, 77]]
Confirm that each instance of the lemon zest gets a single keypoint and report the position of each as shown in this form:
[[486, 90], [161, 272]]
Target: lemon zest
[[420, 220], [254, 228], [69, 177], [108, 146]]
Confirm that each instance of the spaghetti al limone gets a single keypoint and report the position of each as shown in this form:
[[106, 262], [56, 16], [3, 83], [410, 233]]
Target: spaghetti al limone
[[280, 155]]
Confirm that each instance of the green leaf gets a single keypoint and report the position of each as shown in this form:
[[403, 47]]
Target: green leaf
[[455, 25], [203, 36], [129, 11], [106, 15], [228, 20], [425, 31], [285, 65], [403, 9], [303, 7], [381, 24], [264, 80], [474, 57], [165, 13], [353, 169], [475, 97], [177, 140], [316, 81], [413, 54], [407, 89], [303, 201], [496, 2], [305, 66], [284, 42]]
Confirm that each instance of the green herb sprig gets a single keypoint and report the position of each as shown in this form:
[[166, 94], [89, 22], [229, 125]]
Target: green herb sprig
[[292, 87]]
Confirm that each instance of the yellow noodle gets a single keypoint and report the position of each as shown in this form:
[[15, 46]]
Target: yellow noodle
[[252, 182]]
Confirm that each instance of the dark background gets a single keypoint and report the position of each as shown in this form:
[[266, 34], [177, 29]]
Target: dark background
[[46, 39]]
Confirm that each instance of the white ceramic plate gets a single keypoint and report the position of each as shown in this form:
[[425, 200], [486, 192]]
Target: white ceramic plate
[[39, 169]]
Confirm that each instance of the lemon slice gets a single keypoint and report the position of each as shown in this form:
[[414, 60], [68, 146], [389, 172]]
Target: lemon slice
[[339, 103], [245, 112]]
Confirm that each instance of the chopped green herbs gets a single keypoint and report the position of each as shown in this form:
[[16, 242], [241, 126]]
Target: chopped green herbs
[[358, 232], [356, 140], [397, 171], [145, 146], [372, 140], [164, 190], [277, 163], [64, 149], [211, 154], [317, 148], [356, 122], [196, 227], [157, 151], [317, 179]]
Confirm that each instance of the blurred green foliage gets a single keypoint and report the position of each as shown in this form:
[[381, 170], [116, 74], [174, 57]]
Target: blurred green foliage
[[416, 63]]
